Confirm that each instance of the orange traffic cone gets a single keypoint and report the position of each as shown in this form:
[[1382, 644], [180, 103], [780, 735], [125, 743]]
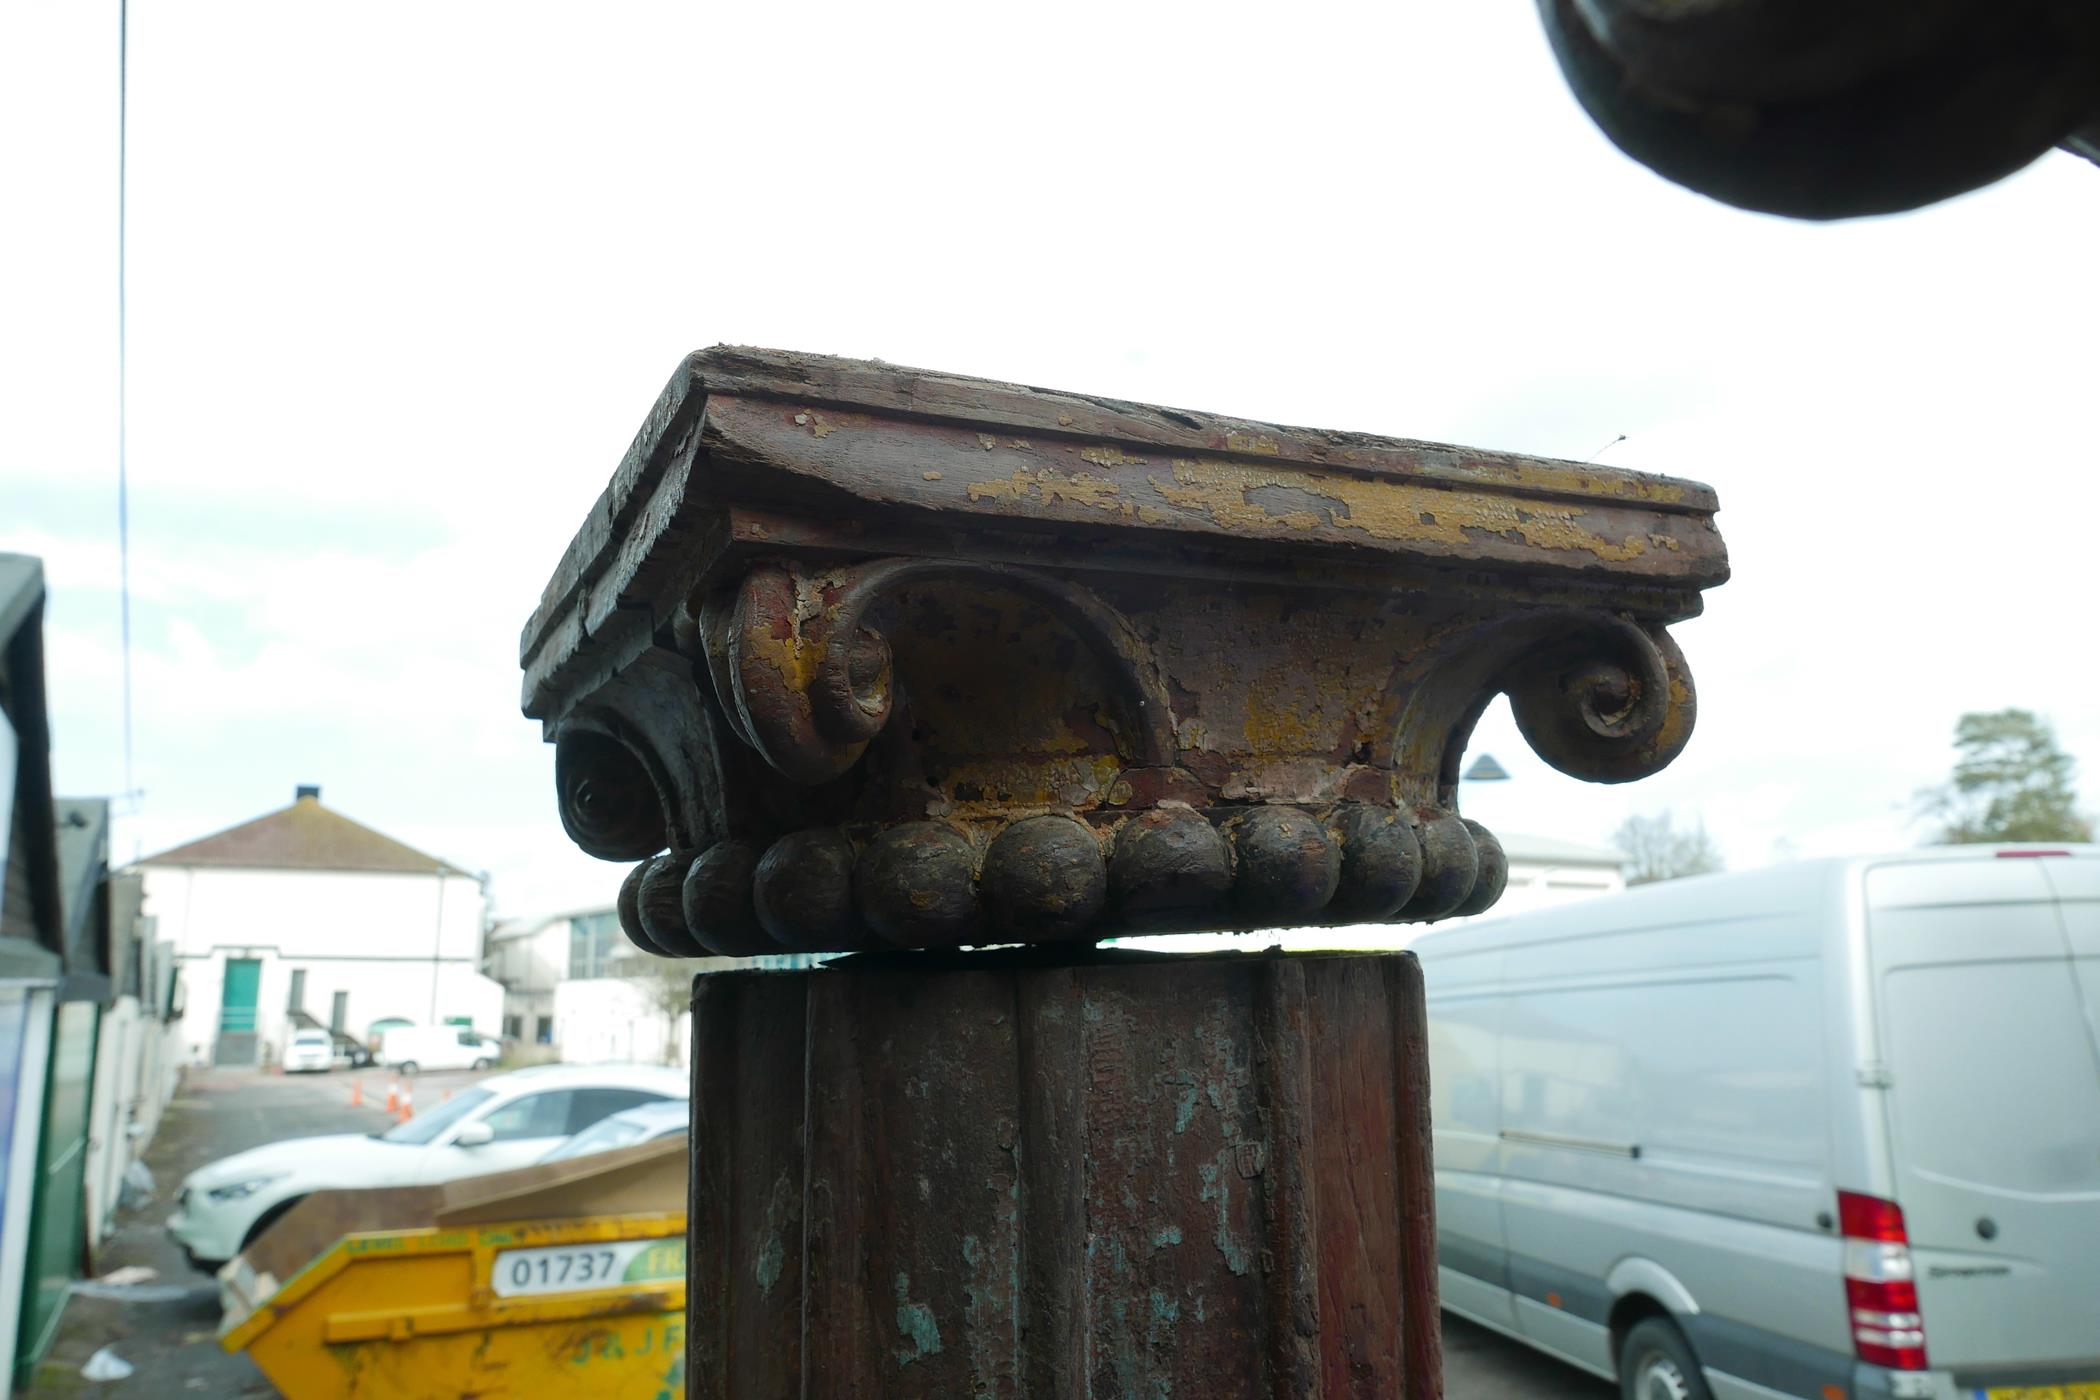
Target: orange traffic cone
[[393, 1096], [408, 1103], [357, 1093]]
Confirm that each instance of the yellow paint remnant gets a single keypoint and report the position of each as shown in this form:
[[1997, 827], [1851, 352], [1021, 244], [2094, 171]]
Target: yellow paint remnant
[[1064, 420], [1110, 456], [814, 421], [930, 476], [1253, 442], [1382, 508], [987, 441], [1051, 485], [1019, 444]]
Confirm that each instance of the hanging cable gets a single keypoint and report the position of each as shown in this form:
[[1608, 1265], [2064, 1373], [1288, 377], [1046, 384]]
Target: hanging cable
[[123, 387]]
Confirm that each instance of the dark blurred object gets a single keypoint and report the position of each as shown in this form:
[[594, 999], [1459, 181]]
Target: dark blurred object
[[1828, 109]]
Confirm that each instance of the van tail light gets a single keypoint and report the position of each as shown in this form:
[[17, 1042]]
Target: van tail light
[[1881, 1288]]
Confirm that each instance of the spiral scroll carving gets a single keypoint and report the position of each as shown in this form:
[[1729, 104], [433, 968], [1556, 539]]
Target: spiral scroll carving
[[607, 802], [808, 683], [1609, 702]]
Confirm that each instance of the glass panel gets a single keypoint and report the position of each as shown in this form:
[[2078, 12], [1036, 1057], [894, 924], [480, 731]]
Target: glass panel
[[534, 1116], [425, 1127]]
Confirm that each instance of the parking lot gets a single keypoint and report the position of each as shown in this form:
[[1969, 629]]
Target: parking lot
[[169, 1334], [172, 1343]]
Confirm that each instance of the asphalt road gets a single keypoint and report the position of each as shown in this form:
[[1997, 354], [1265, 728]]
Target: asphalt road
[[1484, 1365], [172, 1341]]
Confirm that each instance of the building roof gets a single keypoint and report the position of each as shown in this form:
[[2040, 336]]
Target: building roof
[[1548, 850], [305, 836]]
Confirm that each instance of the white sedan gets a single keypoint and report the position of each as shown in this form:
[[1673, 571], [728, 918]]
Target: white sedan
[[510, 1120]]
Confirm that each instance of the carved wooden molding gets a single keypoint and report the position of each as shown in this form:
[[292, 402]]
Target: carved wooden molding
[[854, 656]]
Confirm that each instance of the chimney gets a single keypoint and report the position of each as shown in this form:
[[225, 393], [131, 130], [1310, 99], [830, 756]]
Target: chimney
[[308, 791]]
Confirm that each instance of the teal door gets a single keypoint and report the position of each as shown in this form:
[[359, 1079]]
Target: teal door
[[237, 997]]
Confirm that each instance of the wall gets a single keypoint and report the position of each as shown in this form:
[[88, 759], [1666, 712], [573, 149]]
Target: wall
[[609, 1019], [530, 961], [399, 945]]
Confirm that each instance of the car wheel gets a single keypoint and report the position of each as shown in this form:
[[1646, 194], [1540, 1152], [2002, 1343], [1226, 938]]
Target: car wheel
[[1656, 1363], [406, 1066], [479, 1065]]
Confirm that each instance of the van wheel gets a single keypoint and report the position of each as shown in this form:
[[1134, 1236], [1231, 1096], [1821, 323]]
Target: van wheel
[[480, 1065], [406, 1066], [1656, 1363]]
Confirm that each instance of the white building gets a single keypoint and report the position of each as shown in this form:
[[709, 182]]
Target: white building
[[1543, 871], [574, 988], [532, 958], [303, 916]]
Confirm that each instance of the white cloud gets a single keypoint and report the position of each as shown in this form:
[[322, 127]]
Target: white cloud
[[405, 280]]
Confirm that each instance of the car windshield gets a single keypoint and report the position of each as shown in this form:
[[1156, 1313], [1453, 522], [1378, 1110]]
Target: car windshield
[[425, 1127]]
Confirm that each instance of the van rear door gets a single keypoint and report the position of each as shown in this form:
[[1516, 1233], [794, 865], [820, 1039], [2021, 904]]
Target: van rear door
[[1993, 1105]]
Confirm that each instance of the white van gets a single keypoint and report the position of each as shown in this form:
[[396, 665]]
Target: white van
[[1830, 1129], [411, 1049]]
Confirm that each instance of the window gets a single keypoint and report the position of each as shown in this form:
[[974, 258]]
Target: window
[[297, 1000], [512, 1028], [425, 1127], [469, 1039], [533, 1116], [594, 1104], [543, 1032], [594, 941], [339, 1013]]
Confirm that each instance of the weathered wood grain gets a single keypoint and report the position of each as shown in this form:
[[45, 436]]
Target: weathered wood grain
[[1104, 1178]]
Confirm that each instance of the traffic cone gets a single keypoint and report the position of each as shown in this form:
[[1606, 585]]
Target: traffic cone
[[393, 1096], [357, 1093], [408, 1103]]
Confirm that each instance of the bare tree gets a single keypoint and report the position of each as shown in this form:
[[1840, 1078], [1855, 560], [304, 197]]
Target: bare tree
[[1657, 849], [666, 987]]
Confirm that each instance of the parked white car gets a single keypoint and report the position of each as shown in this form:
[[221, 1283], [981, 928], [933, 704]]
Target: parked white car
[[510, 1120], [667, 1118], [412, 1049], [309, 1052], [1829, 1128]]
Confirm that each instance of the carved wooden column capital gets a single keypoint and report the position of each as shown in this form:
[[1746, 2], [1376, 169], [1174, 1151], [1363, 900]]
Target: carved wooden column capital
[[853, 656]]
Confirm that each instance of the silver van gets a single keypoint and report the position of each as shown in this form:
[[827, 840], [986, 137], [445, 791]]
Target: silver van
[[1828, 1130]]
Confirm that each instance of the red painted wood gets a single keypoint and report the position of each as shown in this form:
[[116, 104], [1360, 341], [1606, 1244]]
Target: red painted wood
[[1202, 1177]]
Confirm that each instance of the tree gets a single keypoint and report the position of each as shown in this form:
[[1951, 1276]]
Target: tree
[[1657, 850], [666, 987], [2011, 783]]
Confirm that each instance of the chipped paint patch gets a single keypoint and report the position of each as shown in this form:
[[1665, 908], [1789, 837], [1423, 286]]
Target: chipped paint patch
[[1231, 1248], [915, 1325], [1237, 496], [1056, 487], [1171, 1235]]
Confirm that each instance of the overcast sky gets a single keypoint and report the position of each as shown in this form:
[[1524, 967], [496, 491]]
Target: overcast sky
[[405, 278]]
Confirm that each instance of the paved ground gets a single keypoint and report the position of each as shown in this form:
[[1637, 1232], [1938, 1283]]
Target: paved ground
[[173, 1343], [1484, 1365]]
